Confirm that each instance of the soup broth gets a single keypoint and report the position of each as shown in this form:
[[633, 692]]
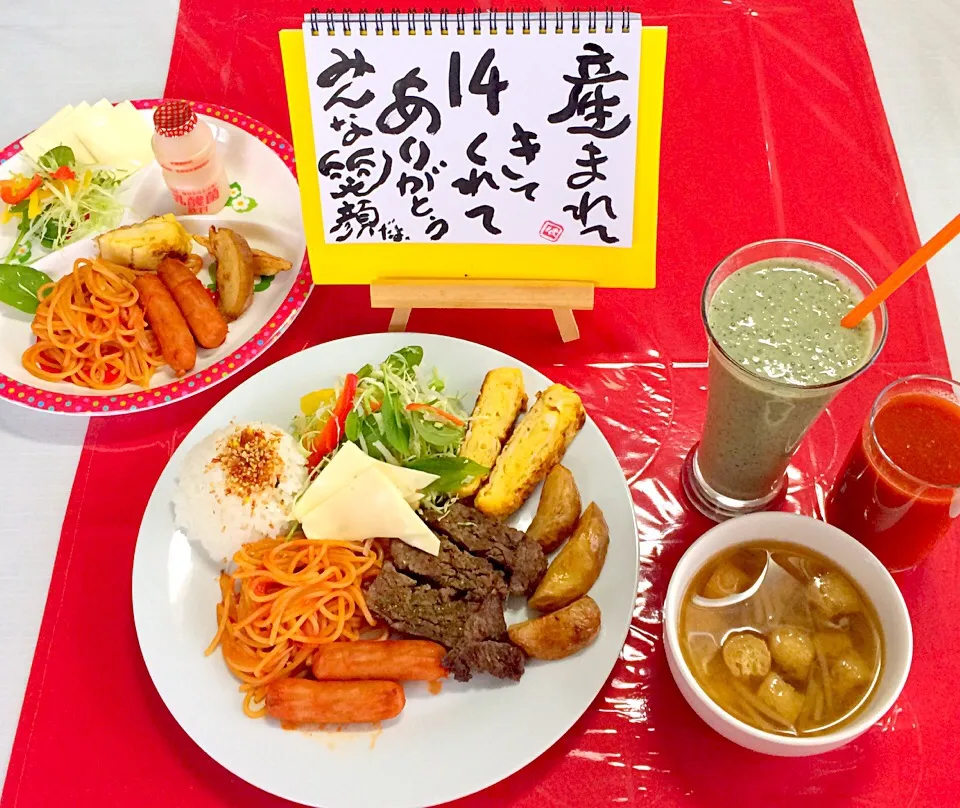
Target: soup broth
[[781, 638]]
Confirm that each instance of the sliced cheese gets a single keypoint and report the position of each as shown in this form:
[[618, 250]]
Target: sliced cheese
[[369, 507], [349, 462], [116, 136], [59, 131], [28, 142]]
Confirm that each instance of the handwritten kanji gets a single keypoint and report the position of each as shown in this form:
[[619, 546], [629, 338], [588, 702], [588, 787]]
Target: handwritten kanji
[[594, 105], [361, 215]]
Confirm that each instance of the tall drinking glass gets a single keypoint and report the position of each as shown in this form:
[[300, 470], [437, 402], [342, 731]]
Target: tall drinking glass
[[777, 356]]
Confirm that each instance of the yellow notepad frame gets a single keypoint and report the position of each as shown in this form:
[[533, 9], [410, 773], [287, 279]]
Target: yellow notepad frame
[[369, 263]]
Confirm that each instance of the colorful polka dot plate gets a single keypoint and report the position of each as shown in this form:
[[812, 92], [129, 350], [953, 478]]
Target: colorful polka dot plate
[[264, 207]]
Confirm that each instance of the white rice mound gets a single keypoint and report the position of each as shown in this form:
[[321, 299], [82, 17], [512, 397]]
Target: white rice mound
[[222, 521]]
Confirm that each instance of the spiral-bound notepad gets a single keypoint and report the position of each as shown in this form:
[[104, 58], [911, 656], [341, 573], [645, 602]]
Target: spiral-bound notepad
[[489, 135]]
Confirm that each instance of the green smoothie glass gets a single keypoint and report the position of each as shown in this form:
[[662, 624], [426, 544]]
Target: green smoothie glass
[[777, 356]]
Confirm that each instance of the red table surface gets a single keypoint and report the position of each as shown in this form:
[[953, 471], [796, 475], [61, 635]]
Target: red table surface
[[772, 127]]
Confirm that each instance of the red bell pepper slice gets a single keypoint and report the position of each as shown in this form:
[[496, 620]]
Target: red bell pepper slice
[[436, 411], [13, 193], [64, 173], [329, 437]]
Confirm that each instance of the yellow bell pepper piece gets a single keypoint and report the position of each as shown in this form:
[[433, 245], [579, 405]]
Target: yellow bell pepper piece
[[35, 206], [312, 402]]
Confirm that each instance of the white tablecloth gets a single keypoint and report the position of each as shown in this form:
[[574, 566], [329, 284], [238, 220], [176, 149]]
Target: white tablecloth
[[54, 55]]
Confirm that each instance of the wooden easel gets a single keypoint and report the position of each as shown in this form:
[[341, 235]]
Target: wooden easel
[[561, 297]]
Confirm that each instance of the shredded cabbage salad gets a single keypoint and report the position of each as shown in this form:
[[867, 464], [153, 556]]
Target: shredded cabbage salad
[[397, 414], [71, 201]]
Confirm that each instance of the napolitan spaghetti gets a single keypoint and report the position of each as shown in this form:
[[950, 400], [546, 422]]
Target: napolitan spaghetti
[[91, 330], [283, 600]]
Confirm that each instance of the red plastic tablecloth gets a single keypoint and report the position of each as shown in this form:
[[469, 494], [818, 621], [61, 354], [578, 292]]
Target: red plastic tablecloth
[[772, 127]]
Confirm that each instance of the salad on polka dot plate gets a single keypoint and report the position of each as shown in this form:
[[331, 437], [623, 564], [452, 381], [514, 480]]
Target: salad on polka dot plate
[[92, 257]]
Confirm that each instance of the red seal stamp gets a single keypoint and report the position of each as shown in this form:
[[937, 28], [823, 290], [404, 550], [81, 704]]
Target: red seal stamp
[[551, 231]]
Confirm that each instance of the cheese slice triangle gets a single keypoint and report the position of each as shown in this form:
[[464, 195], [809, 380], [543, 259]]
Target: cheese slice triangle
[[27, 143], [351, 461], [369, 507], [59, 130], [116, 136]]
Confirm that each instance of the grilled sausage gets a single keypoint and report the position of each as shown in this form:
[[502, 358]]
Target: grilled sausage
[[397, 660], [207, 324], [302, 701], [166, 320]]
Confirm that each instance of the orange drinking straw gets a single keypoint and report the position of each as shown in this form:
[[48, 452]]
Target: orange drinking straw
[[908, 269]]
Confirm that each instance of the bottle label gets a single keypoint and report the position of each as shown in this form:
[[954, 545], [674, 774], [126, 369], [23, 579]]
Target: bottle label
[[196, 200], [183, 166]]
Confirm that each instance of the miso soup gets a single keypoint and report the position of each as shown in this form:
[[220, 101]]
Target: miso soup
[[781, 638]]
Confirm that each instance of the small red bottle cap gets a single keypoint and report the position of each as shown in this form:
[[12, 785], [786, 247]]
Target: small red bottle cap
[[174, 118]]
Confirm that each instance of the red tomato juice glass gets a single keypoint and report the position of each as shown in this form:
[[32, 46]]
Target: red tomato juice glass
[[899, 490]]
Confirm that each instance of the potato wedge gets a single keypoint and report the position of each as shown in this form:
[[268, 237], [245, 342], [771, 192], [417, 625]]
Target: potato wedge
[[558, 635], [558, 511], [537, 444], [577, 566], [234, 271], [264, 263], [502, 398]]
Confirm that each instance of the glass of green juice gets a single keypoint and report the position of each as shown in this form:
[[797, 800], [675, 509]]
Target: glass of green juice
[[777, 356]]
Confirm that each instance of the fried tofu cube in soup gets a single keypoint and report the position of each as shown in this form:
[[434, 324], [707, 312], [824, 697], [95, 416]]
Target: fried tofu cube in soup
[[833, 595], [792, 650], [727, 579], [849, 672], [746, 655], [781, 697], [832, 643]]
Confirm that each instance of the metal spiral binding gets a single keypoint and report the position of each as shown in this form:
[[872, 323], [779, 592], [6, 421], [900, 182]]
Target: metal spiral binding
[[458, 25]]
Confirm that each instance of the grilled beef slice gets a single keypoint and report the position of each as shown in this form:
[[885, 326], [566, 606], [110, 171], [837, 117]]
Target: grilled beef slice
[[453, 567], [489, 538], [434, 614], [499, 659], [486, 622]]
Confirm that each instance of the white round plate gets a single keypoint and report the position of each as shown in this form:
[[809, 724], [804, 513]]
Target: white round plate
[[264, 208], [444, 746]]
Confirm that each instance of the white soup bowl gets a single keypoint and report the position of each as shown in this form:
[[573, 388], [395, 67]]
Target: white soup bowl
[[858, 563]]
